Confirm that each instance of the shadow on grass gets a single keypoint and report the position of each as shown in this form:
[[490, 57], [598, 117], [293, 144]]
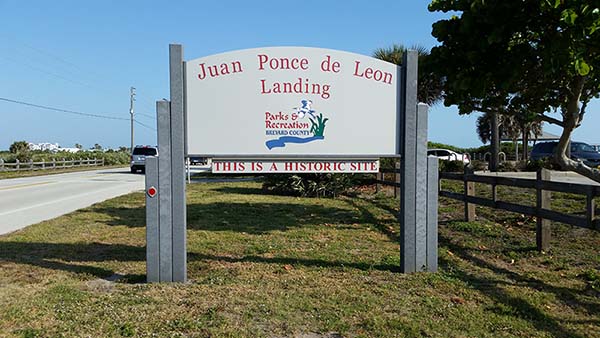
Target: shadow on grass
[[493, 286], [241, 190], [252, 218], [295, 261], [259, 218], [70, 257], [79, 258], [367, 216]]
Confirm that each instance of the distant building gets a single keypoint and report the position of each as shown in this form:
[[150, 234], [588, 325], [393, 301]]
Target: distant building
[[52, 147]]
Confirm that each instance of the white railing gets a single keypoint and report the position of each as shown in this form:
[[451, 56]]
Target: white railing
[[54, 164]]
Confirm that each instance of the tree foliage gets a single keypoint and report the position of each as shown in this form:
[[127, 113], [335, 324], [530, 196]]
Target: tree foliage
[[528, 58], [430, 84], [21, 150], [511, 127], [19, 147]]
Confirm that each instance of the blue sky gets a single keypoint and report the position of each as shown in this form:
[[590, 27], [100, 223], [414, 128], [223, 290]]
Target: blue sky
[[84, 56]]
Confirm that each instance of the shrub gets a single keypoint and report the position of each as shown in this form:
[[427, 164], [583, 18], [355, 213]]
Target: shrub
[[112, 158], [546, 163], [310, 185], [452, 166], [477, 165], [507, 166], [387, 162]]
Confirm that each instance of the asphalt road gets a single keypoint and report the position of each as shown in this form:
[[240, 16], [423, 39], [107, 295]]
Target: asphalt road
[[26, 201]]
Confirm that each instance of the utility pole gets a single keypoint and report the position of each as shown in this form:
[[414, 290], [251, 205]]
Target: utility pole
[[131, 100]]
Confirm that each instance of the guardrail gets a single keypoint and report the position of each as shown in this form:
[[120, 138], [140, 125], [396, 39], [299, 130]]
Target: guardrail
[[542, 211], [54, 164]]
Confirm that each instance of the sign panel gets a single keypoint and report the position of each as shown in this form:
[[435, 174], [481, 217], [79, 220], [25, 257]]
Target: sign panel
[[282, 101], [284, 167]]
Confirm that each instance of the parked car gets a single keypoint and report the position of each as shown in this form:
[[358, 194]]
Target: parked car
[[596, 147], [138, 157], [579, 151], [449, 155], [197, 160]]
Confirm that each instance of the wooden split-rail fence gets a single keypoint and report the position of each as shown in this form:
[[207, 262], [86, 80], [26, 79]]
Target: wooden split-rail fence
[[54, 164], [542, 211]]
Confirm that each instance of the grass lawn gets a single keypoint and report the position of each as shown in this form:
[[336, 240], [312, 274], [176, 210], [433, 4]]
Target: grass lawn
[[272, 266]]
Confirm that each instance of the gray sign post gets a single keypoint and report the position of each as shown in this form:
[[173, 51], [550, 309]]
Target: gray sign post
[[166, 211], [418, 223]]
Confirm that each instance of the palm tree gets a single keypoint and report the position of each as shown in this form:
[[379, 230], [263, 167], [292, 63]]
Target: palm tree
[[511, 126], [430, 84]]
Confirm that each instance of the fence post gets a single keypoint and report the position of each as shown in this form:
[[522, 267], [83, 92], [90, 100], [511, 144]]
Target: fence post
[[495, 191], [30, 164], [469, 191], [1, 164], [590, 207], [43, 163], [379, 177], [542, 232], [64, 162], [397, 179], [18, 164], [53, 163]]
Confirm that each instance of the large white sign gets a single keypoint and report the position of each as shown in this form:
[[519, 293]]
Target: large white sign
[[281, 101]]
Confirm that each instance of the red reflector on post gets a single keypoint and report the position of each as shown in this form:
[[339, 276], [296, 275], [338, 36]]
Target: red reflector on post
[[152, 191]]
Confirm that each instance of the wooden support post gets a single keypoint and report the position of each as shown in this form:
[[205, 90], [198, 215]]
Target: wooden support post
[[397, 179], [543, 197], [469, 191], [590, 207], [379, 177]]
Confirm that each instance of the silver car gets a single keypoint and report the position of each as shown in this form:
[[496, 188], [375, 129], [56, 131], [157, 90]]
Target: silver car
[[449, 155], [138, 157]]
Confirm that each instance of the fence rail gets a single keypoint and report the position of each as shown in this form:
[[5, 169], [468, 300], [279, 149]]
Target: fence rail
[[542, 211], [54, 164]]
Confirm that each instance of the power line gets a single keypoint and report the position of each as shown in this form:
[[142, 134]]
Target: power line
[[57, 75], [64, 110], [144, 125], [146, 115]]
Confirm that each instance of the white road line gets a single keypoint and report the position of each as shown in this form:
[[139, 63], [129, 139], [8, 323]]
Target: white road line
[[27, 185]]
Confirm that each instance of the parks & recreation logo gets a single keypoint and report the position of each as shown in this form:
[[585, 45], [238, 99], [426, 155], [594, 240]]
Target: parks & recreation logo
[[302, 125]]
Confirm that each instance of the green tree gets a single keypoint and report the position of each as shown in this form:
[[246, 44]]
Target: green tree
[[19, 147], [21, 150], [78, 146], [529, 58], [430, 84]]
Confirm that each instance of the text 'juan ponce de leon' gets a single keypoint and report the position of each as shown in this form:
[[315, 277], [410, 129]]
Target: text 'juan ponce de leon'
[[300, 84]]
